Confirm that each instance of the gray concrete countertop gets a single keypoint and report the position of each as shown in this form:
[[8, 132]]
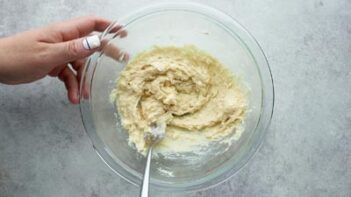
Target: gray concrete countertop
[[44, 150]]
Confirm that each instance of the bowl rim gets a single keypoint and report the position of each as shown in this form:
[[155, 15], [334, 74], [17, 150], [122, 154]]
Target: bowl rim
[[262, 66]]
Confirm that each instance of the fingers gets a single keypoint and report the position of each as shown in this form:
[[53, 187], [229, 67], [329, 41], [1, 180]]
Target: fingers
[[78, 65], [115, 53], [69, 51], [71, 83], [71, 78], [122, 33], [83, 47], [68, 45], [116, 27], [118, 30], [81, 26], [56, 71]]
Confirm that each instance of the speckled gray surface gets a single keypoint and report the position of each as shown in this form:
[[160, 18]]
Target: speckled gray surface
[[44, 150]]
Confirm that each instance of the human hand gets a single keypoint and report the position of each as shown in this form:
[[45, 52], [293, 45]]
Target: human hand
[[32, 55]]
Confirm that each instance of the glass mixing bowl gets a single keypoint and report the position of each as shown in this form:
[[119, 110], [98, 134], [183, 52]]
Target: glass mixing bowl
[[176, 25]]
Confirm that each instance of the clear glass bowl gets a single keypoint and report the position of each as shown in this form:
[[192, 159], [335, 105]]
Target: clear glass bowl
[[176, 25]]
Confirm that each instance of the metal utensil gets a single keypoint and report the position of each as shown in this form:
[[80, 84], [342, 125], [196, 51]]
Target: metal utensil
[[157, 134]]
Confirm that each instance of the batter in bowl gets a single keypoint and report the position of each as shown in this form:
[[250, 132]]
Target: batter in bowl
[[197, 98]]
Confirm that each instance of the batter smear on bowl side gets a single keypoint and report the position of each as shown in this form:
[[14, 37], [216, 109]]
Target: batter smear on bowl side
[[192, 92]]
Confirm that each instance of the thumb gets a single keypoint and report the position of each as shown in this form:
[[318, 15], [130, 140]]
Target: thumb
[[76, 49]]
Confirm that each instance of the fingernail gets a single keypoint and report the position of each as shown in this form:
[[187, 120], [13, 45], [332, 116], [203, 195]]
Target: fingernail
[[91, 42]]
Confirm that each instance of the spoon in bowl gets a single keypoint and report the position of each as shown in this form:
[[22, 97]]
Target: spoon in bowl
[[156, 134]]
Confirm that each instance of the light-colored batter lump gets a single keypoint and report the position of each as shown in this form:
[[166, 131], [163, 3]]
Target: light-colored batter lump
[[193, 93]]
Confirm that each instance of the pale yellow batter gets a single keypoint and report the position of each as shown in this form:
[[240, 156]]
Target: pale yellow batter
[[192, 92]]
